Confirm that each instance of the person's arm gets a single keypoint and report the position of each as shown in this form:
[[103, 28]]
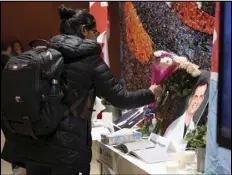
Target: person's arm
[[112, 91]]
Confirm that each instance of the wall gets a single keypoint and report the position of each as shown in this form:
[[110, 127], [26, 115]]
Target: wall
[[32, 20]]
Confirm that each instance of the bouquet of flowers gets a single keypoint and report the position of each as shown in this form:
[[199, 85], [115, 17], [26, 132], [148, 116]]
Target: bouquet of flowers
[[179, 82], [179, 85]]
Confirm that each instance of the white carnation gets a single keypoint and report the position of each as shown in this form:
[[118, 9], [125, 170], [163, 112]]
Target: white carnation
[[179, 59], [165, 62], [159, 53]]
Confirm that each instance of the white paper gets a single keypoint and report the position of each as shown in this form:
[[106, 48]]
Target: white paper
[[177, 146], [152, 155], [98, 107], [161, 143], [97, 131], [143, 144], [146, 150], [167, 144]]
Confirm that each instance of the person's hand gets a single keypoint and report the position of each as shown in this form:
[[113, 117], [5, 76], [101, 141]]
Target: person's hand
[[157, 90]]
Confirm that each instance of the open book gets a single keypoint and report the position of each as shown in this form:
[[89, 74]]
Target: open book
[[144, 150]]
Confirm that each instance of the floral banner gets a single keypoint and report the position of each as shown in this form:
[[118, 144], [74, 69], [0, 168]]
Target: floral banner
[[172, 29], [183, 28]]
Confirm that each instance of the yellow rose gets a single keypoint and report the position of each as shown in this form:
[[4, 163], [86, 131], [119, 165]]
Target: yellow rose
[[193, 70], [184, 65]]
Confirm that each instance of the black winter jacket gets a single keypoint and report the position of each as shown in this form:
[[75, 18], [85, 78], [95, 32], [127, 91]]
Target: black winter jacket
[[88, 75]]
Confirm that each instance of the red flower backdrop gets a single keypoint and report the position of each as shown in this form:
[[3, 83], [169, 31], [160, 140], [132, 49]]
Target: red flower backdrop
[[194, 17], [138, 41]]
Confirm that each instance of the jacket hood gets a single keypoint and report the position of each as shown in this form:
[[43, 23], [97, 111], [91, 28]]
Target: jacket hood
[[73, 47]]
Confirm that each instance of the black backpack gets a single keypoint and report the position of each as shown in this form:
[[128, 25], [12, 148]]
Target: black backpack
[[27, 105]]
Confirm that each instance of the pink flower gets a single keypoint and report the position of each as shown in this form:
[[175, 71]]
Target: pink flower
[[159, 74]]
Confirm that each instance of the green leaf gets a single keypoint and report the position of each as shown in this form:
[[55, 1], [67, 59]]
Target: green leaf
[[178, 94], [197, 137], [186, 92], [172, 88], [173, 96]]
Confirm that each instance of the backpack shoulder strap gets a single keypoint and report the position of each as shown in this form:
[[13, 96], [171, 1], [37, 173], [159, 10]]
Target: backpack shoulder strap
[[31, 43]]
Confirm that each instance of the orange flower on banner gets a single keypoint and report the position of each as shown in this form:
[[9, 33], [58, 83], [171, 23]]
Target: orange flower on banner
[[194, 17], [138, 40]]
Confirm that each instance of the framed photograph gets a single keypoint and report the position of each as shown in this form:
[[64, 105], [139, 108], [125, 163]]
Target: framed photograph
[[191, 111]]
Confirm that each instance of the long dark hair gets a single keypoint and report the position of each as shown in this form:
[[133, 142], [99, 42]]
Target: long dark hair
[[73, 20], [21, 45]]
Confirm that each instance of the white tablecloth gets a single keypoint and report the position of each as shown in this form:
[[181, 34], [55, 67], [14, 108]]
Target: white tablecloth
[[122, 163]]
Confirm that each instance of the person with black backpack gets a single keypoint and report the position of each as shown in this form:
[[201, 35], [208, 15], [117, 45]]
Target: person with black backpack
[[48, 96]]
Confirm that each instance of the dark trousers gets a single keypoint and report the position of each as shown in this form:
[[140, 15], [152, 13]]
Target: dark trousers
[[35, 170]]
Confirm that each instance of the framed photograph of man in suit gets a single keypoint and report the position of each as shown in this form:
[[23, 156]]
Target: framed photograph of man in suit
[[191, 111]]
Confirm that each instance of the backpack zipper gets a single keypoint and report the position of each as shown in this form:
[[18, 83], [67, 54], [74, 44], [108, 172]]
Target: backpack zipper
[[37, 72], [87, 136]]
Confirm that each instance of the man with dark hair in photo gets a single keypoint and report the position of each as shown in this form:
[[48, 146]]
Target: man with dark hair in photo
[[178, 128]]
